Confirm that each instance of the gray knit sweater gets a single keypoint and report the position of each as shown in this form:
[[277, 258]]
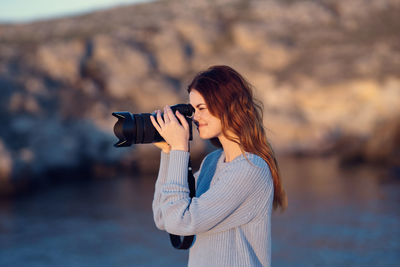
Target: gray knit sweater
[[230, 215]]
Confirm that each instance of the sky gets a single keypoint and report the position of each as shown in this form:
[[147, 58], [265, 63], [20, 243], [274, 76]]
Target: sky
[[15, 11]]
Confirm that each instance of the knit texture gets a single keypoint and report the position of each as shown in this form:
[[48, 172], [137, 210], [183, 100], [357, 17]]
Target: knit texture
[[230, 215]]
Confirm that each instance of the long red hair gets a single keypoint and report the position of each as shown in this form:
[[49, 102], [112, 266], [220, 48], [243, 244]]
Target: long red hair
[[229, 97]]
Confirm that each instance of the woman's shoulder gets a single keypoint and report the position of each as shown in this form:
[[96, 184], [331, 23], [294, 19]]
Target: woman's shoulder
[[245, 162], [248, 170], [256, 160], [250, 163]]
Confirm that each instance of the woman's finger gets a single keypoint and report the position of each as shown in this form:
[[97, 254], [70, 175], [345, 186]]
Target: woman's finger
[[166, 116], [155, 124], [171, 115], [183, 120], [159, 119]]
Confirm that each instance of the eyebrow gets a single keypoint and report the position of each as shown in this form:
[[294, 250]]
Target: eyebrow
[[200, 105]]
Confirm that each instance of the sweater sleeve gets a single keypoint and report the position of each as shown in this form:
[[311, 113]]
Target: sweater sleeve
[[161, 179], [222, 207]]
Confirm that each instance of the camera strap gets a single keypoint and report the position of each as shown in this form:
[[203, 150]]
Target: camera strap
[[184, 242]]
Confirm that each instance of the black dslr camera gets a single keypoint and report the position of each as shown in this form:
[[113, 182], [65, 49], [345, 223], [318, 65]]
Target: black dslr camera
[[138, 129]]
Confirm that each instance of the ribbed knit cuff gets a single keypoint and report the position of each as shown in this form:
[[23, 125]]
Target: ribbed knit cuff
[[164, 162], [178, 167], [164, 158]]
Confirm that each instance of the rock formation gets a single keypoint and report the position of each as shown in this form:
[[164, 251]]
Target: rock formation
[[325, 71]]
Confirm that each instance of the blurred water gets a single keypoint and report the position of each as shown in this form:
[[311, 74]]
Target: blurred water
[[335, 217]]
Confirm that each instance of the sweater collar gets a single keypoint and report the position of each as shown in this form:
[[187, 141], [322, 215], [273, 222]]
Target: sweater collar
[[222, 162]]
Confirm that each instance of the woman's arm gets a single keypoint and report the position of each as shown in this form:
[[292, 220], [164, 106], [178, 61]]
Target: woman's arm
[[227, 204], [161, 179]]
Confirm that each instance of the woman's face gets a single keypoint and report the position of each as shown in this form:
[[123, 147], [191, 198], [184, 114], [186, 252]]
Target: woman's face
[[208, 125]]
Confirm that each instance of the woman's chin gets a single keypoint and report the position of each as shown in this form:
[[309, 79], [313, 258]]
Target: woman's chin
[[206, 137], [203, 136]]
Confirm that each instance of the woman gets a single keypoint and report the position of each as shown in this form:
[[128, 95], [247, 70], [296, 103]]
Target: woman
[[237, 185]]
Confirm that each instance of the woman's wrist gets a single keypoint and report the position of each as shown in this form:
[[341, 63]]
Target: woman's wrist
[[181, 148]]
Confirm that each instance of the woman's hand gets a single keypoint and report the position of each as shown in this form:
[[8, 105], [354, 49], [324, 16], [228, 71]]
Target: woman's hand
[[163, 146], [175, 134]]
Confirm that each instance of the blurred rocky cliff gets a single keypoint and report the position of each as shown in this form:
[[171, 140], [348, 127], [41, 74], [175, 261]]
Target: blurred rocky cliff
[[327, 72]]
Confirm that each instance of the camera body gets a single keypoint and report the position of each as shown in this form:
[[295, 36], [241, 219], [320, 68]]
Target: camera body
[[138, 129]]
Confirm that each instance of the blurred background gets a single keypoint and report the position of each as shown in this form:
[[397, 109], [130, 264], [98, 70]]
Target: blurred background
[[327, 72]]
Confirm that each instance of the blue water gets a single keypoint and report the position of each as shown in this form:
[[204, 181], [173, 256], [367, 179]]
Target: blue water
[[335, 218]]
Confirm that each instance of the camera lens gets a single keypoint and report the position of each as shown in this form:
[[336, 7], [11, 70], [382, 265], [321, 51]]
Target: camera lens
[[138, 128]]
